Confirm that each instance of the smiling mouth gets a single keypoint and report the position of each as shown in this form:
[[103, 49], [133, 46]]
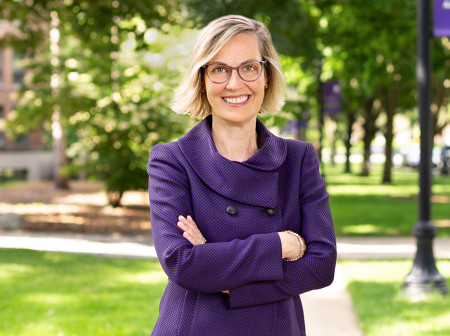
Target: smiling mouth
[[237, 100]]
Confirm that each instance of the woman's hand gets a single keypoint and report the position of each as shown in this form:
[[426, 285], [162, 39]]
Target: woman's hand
[[191, 231], [291, 248]]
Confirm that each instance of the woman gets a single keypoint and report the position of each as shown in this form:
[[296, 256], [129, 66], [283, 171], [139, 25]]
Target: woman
[[240, 218]]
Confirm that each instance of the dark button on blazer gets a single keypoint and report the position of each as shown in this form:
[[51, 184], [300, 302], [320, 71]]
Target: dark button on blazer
[[279, 188]]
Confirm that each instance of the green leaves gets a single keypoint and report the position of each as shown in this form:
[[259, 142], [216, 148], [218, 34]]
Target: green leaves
[[115, 69], [119, 62]]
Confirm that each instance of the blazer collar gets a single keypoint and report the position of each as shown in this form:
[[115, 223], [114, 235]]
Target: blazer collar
[[254, 181]]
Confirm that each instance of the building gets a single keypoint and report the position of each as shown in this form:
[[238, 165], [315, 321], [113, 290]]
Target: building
[[24, 157]]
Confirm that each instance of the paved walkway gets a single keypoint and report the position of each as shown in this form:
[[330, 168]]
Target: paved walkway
[[328, 311], [80, 243]]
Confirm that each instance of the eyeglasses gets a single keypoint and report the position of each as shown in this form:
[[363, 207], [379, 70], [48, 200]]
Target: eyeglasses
[[219, 73]]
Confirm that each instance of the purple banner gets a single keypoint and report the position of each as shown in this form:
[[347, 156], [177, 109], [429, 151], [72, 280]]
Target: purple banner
[[441, 17], [332, 97]]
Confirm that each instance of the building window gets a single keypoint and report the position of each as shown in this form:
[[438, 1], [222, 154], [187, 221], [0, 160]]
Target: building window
[[2, 140], [21, 142], [18, 71]]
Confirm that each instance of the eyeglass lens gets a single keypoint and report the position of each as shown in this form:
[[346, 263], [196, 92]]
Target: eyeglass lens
[[219, 73]]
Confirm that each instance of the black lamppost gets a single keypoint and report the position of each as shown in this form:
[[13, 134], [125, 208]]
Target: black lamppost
[[424, 276]]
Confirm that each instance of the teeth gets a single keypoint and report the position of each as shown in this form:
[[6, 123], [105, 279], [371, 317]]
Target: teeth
[[236, 100]]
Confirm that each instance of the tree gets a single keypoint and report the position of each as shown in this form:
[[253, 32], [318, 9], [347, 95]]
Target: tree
[[294, 28], [130, 116], [42, 27], [118, 109], [441, 84], [289, 21], [381, 64]]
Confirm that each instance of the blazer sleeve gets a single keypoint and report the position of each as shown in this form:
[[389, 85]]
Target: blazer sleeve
[[316, 268], [211, 267]]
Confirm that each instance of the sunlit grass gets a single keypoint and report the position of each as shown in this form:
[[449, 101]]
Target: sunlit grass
[[46, 293], [373, 190], [362, 206], [382, 309], [368, 229]]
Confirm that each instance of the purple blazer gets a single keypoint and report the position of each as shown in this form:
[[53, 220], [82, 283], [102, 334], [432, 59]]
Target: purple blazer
[[239, 207]]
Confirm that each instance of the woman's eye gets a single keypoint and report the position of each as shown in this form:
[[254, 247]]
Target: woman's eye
[[249, 68], [219, 69]]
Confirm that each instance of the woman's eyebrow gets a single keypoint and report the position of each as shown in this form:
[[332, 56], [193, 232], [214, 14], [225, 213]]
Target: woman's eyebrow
[[245, 62]]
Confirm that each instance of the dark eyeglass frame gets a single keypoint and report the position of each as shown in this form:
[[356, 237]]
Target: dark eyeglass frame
[[262, 63]]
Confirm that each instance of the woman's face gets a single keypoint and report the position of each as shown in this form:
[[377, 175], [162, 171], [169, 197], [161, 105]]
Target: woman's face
[[236, 100]]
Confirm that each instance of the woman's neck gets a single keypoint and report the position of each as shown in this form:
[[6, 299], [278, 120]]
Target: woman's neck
[[236, 142]]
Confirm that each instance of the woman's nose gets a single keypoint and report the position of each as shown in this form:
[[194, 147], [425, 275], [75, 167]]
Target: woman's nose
[[234, 81]]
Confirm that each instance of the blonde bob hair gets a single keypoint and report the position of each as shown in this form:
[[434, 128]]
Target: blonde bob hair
[[190, 97]]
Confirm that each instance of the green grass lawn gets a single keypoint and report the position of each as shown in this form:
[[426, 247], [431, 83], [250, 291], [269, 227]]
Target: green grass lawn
[[361, 206], [46, 294], [56, 294], [375, 287]]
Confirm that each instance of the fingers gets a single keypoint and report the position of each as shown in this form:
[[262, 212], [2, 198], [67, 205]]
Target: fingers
[[191, 221], [191, 239], [191, 231], [187, 224]]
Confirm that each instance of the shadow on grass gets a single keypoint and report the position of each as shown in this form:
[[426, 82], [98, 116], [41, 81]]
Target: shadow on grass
[[362, 215], [47, 293], [405, 183], [383, 310]]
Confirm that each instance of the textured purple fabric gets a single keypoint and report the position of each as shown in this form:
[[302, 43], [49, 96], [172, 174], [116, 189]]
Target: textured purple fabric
[[243, 252]]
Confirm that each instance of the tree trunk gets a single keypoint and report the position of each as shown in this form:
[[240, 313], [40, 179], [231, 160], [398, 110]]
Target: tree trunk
[[59, 150], [366, 157], [440, 97], [369, 133], [115, 198], [321, 120], [351, 116], [333, 138], [301, 133], [440, 101], [389, 136], [389, 101], [58, 134]]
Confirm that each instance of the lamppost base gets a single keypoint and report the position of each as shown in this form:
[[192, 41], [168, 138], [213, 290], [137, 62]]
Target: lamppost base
[[420, 289], [424, 277]]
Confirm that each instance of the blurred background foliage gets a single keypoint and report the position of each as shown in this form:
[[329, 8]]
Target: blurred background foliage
[[108, 75]]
